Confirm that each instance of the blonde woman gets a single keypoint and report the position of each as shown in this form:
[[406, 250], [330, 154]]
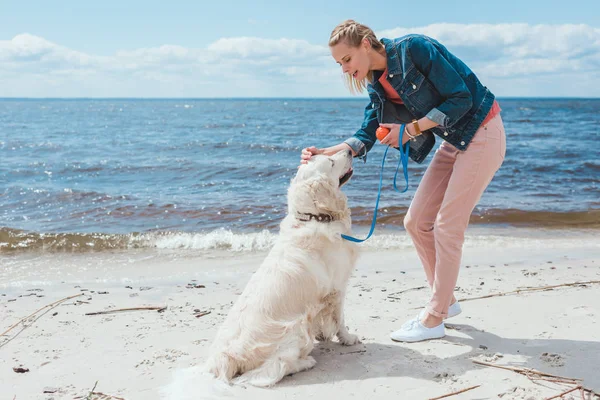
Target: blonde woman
[[443, 96]]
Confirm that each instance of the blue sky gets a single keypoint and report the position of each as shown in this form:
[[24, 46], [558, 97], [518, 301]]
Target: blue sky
[[278, 49]]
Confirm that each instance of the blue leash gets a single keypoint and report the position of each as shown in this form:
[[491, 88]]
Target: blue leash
[[404, 160]]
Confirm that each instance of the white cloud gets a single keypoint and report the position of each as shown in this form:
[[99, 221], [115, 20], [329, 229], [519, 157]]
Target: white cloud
[[553, 60], [507, 50]]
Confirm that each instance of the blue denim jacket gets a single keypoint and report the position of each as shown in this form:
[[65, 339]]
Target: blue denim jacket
[[432, 83]]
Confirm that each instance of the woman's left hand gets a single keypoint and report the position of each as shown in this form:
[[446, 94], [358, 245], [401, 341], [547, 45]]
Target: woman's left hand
[[392, 138]]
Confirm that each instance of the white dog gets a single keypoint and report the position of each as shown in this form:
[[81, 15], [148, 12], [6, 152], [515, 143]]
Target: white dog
[[297, 294]]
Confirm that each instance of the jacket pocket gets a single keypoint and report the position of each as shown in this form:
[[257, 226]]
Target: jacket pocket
[[421, 92]]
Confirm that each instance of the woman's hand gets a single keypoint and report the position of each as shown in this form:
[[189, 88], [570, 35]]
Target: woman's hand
[[308, 152], [392, 138]]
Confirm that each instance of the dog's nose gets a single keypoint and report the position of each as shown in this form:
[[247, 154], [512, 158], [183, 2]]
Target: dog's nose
[[349, 153]]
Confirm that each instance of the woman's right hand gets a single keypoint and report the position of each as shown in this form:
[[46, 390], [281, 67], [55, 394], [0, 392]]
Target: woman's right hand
[[308, 152]]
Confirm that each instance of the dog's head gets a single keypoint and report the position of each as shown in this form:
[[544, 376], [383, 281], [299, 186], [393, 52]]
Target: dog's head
[[316, 188]]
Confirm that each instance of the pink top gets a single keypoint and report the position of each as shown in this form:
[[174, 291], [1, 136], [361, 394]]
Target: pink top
[[493, 112], [390, 93]]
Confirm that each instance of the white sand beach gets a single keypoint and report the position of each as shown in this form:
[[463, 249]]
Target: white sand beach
[[131, 355]]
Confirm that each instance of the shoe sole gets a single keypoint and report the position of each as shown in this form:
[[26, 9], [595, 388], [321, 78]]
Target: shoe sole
[[416, 341]]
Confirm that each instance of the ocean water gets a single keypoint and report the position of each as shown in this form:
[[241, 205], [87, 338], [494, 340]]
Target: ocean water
[[90, 174]]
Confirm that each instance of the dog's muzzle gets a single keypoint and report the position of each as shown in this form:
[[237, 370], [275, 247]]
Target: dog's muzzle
[[346, 177]]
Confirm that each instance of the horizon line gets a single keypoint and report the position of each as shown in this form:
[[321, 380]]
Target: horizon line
[[264, 98]]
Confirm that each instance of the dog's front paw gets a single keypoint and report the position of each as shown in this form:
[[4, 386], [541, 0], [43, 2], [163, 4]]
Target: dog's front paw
[[321, 337], [348, 339]]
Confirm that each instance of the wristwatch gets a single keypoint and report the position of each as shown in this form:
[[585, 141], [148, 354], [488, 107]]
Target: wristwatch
[[417, 129]]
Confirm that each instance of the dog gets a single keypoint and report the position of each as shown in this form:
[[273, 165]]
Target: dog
[[297, 294]]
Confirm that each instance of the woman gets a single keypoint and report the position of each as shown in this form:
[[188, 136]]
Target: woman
[[444, 96]]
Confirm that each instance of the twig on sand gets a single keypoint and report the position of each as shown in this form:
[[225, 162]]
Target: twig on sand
[[202, 314], [531, 289], [594, 394], [455, 393], [159, 309], [89, 397], [529, 372], [391, 295], [49, 306], [107, 396], [353, 352], [525, 371], [563, 393]]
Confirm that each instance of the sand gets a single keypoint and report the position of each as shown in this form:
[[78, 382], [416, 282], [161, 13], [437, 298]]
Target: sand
[[132, 355]]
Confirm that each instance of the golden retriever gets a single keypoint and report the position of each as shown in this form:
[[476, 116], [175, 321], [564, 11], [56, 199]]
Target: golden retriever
[[297, 294]]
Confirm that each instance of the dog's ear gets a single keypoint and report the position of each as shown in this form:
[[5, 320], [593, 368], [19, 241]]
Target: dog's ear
[[315, 194], [304, 172], [325, 195]]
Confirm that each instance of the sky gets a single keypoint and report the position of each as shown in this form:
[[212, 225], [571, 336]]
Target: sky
[[133, 48]]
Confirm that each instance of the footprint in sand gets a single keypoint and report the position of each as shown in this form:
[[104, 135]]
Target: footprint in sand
[[554, 360], [520, 393]]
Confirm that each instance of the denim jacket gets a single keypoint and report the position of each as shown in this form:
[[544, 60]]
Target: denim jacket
[[432, 83]]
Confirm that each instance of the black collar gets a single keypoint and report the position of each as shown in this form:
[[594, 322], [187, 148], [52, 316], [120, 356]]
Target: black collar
[[317, 217]]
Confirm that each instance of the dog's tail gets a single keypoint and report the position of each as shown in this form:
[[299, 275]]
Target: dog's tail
[[222, 366], [280, 364], [268, 374], [194, 384]]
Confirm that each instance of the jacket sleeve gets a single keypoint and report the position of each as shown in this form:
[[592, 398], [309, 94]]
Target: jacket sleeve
[[364, 139], [451, 86]]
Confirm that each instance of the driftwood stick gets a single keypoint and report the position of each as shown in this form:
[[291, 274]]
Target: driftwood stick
[[591, 392], [563, 393], [51, 305], [524, 370], [533, 289], [555, 286], [159, 309], [518, 291], [202, 314], [89, 396], [455, 393], [406, 290], [354, 352], [566, 381], [108, 396]]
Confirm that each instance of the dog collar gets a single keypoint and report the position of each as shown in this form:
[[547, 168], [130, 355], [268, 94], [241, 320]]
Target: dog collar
[[316, 217]]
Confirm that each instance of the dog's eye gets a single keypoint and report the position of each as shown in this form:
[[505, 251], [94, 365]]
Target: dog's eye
[[332, 163]]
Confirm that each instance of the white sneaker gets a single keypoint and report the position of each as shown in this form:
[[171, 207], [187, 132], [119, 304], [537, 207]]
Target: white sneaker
[[416, 332], [453, 311]]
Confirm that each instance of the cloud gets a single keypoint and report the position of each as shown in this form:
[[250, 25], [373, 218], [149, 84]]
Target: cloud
[[514, 50], [553, 60]]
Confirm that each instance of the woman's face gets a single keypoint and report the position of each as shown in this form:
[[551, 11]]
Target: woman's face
[[353, 60]]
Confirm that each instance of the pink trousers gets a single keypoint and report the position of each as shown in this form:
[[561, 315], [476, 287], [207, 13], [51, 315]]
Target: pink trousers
[[439, 213]]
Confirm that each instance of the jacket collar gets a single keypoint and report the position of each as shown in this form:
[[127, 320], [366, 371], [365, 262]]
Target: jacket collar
[[393, 60]]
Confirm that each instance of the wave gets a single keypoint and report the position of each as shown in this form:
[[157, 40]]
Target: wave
[[14, 240], [546, 219], [514, 217]]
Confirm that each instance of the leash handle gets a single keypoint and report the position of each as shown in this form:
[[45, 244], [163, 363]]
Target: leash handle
[[404, 160]]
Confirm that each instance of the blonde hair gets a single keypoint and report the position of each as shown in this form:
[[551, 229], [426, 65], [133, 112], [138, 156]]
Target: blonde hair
[[352, 34]]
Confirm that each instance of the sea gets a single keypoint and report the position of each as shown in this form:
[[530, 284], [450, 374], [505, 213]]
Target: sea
[[80, 175]]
